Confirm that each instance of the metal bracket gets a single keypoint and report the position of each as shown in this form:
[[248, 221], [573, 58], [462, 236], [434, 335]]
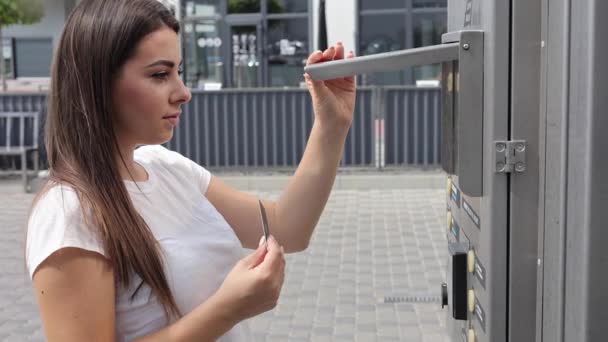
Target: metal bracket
[[510, 156]]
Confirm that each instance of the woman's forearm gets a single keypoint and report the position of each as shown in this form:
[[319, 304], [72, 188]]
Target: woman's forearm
[[301, 204], [207, 322]]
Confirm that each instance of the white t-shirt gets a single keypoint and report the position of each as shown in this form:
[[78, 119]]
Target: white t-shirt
[[199, 247]]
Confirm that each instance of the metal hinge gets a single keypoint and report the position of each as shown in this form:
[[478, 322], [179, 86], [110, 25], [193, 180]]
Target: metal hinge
[[510, 156]]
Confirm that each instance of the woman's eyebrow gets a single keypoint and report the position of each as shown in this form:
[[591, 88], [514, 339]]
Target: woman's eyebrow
[[164, 62]]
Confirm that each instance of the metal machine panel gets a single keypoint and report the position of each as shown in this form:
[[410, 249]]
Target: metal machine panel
[[483, 219], [463, 117], [523, 197], [478, 116]]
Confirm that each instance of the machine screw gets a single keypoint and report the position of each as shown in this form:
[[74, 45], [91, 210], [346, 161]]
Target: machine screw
[[465, 46], [519, 167], [500, 147], [500, 167], [520, 147]]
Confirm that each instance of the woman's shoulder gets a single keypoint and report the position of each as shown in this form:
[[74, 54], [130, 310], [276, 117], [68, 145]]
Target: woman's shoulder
[[57, 206], [55, 198], [56, 221], [158, 153]]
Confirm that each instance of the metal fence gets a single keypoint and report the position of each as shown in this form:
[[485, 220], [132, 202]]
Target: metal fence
[[412, 122], [269, 127]]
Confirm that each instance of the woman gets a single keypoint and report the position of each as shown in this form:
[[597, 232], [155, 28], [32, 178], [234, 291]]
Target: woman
[[140, 243]]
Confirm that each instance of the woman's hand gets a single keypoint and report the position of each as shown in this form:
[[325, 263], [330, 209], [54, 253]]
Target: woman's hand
[[254, 284], [333, 100]]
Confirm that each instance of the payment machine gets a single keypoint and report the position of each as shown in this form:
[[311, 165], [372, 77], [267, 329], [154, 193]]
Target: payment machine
[[524, 193]]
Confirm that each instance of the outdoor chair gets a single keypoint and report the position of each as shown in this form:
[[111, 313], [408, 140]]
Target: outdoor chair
[[18, 137]]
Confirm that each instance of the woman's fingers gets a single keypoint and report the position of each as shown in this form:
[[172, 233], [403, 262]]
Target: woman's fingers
[[328, 55], [314, 57], [274, 260], [332, 53], [350, 54], [339, 51]]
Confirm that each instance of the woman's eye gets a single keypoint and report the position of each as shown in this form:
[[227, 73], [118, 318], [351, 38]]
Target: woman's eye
[[161, 75], [165, 75]]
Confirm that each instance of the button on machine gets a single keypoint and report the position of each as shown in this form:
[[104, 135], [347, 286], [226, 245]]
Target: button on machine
[[471, 297], [471, 261], [449, 221], [471, 336]]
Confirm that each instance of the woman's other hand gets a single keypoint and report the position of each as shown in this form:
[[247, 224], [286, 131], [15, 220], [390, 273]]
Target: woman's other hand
[[254, 283], [333, 100]]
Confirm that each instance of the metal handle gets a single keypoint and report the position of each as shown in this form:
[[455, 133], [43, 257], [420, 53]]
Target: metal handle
[[387, 61]]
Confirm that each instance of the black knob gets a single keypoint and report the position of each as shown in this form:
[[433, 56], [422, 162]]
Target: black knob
[[444, 295]]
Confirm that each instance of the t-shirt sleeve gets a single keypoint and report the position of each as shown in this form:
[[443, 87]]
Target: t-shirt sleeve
[[201, 175], [56, 222]]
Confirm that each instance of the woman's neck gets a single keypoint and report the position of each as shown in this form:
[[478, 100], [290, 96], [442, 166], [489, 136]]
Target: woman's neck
[[133, 171]]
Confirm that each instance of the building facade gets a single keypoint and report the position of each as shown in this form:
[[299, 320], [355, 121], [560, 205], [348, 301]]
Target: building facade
[[258, 43]]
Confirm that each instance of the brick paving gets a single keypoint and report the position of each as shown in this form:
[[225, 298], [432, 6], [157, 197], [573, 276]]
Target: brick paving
[[372, 272]]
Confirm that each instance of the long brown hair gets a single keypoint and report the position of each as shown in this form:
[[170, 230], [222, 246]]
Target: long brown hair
[[80, 140]]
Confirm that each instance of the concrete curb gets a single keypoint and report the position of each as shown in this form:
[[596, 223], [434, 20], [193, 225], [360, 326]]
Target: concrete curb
[[364, 180], [413, 180]]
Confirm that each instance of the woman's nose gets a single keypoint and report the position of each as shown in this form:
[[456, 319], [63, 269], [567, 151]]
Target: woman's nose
[[182, 94]]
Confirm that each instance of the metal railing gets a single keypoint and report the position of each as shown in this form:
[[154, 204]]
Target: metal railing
[[269, 127]]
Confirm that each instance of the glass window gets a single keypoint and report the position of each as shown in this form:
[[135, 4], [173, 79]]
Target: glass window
[[202, 7], [204, 64], [7, 53], [243, 6], [287, 51], [287, 6], [384, 4], [428, 29], [382, 33], [430, 3], [245, 64]]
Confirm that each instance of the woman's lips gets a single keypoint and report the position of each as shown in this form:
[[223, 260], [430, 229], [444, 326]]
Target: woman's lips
[[173, 119]]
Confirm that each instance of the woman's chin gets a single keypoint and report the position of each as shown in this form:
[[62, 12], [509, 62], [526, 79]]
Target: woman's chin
[[163, 138]]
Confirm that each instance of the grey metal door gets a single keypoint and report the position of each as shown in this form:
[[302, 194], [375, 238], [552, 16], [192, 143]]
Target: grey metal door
[[33, 57]]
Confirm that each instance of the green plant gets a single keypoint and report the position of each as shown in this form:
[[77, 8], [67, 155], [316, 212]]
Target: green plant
[[253, 6]]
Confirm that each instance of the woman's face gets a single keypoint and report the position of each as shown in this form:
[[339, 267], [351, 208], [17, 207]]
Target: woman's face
[[148, 92]]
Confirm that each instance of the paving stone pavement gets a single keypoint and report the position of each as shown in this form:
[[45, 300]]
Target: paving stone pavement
[[372, 272]]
